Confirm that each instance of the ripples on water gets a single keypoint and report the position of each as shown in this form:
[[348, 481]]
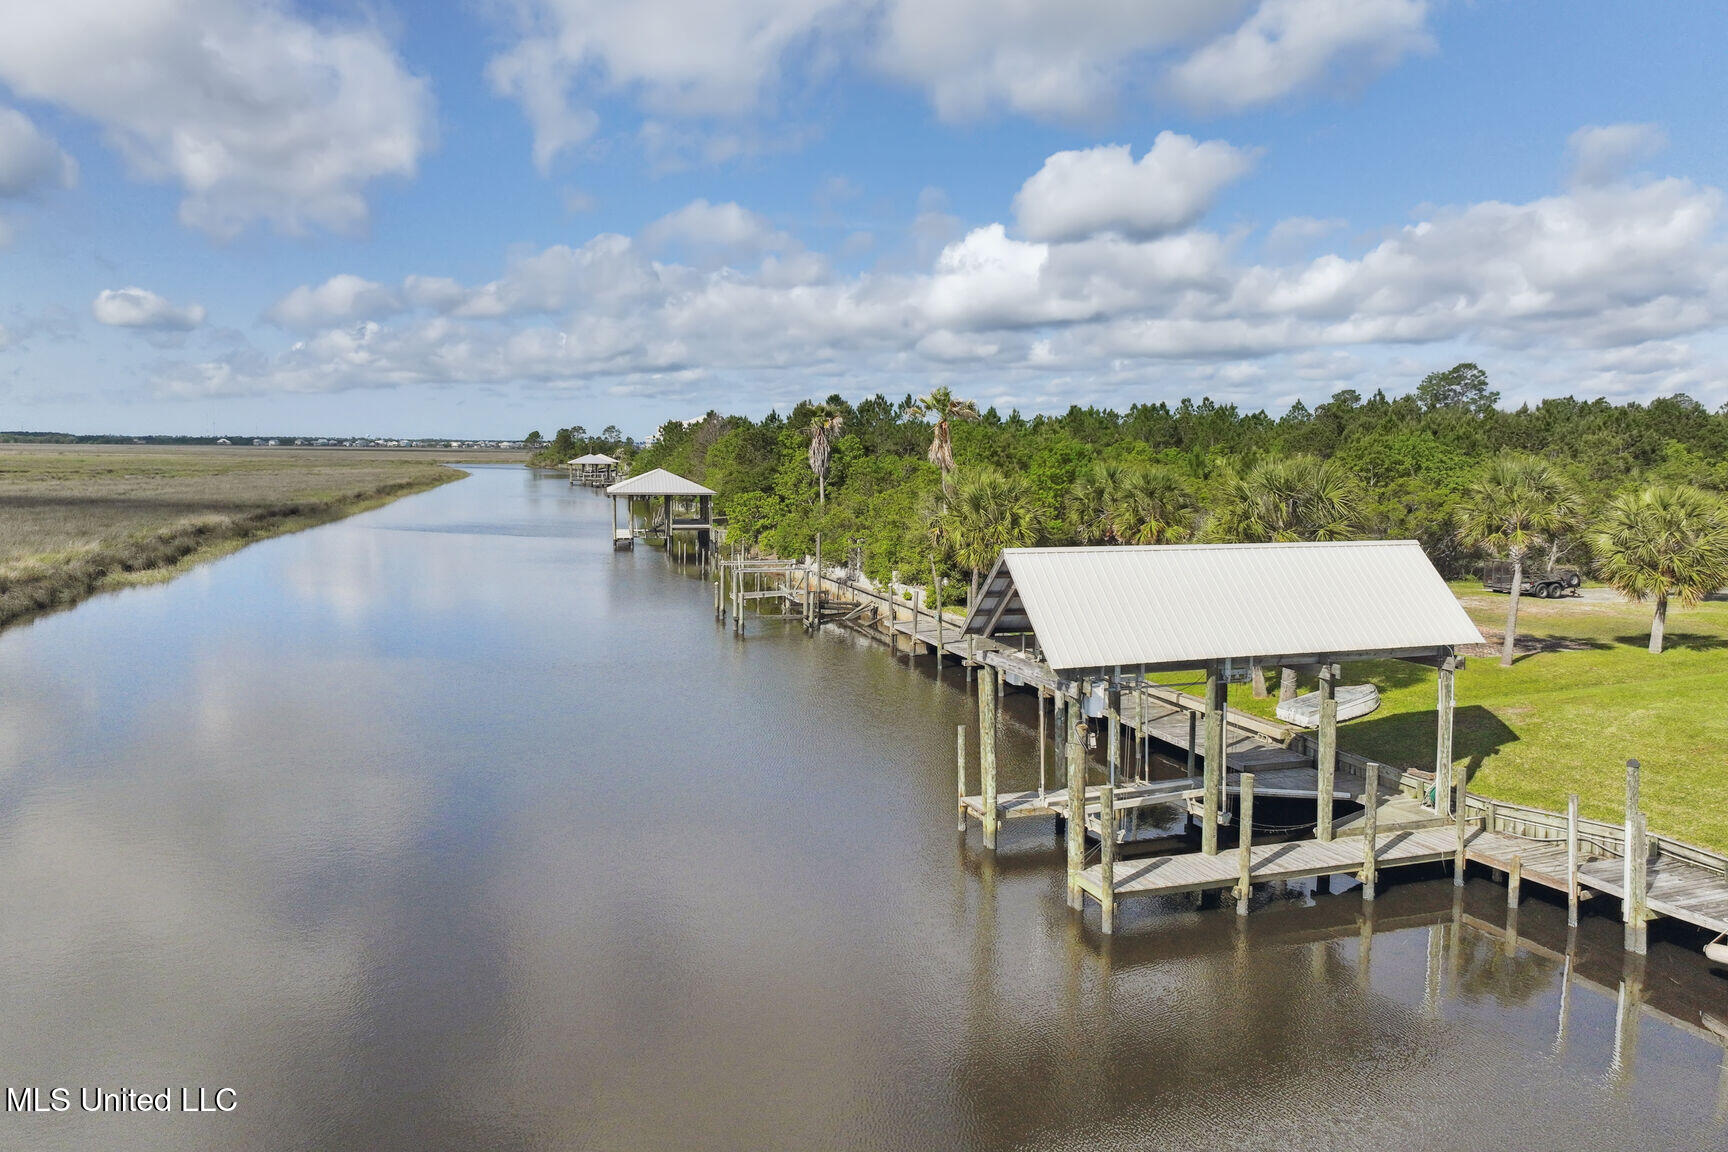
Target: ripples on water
[[447, 828]]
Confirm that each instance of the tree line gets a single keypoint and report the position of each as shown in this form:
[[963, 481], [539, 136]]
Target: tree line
[[1631, 492]]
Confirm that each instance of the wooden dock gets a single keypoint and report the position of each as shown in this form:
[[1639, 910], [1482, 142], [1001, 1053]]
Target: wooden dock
[[1404, 826]]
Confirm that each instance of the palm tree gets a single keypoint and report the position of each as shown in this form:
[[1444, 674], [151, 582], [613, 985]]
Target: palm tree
[[824, 430], [1667, 542], [1093, 500], [942, 404], [1518, 503], [987, 512], [1155, 506], [1116, 502], [1288, 498]]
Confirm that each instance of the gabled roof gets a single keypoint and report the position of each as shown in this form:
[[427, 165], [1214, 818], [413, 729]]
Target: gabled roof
[[594, 458], [1187, 605], [659, 482]]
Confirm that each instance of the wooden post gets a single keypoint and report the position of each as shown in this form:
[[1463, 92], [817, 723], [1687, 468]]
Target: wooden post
[[1443, 736], [1459, 864], [1193, 741], [987, 752], [1076, 801], [960, 748], [912, 641], [1042, 741], [1638, 906], [1632, 870], [1572, 860], [1214, 767], [1107, 858], [1244, 843], [1370, 831], [1113, 731], [1328, 758], [816, 592], [1514, 880]]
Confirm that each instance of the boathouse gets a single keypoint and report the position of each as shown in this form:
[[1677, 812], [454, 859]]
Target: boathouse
[[1106, 618], [595, 470], [684, 506]]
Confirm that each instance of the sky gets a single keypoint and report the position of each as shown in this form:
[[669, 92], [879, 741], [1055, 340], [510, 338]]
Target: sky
[[480, 217]]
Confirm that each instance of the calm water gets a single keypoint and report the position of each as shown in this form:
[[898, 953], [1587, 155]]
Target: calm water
[[447, 828]]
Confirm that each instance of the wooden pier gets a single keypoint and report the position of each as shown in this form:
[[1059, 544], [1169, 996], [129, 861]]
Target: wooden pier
[[1405, 819]]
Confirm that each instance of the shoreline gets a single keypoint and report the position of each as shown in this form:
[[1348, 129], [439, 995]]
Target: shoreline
[[38, 586]]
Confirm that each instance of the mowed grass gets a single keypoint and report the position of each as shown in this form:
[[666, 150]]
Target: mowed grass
[[1567, 717], [77, 519]]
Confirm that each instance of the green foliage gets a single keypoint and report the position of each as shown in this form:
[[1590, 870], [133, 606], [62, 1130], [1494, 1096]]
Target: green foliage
[[1666, 543], [1404, 467]]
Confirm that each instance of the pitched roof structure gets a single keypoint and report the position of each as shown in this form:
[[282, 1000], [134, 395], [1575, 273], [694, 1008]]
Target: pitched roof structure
[[659, 482], [1186, 606], [594, 458]]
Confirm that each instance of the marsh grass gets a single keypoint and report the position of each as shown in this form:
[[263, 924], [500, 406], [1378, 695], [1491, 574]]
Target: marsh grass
[[75, 521], [1565, 717]]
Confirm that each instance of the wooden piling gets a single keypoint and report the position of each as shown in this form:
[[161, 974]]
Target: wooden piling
[[1514, 880], [1370, 831], [960, 742], [1443, 735], [1193, 740], [1638, 891], [1107, 858], [987, 752], [1076, 802], [1572, 860], [1214, 768], [936, 583], [1632, 872], [1244, 843], [1042, 741], [1459, 864], [1327, 761], [1113, 730]]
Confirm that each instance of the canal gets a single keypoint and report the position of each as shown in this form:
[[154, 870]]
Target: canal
[[445, 827]]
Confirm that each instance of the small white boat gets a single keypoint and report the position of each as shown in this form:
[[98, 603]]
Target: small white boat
[[1717, 950], [1353, 700]]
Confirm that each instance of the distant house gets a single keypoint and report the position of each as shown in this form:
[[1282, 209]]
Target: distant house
[[224, 440]]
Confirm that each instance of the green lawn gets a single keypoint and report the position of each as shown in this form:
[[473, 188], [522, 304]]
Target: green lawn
[[1566, 718]]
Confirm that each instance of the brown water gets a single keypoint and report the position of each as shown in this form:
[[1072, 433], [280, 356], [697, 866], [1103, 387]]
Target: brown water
[[447, 828]]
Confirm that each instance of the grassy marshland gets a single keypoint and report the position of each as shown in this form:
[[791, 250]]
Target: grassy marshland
[[1582, 697], [77, 520]]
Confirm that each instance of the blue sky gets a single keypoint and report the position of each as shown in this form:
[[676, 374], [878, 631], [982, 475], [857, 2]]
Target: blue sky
[[479, 218]]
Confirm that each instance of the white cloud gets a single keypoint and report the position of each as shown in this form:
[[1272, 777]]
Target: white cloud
[[1601, 154], [1289, 44], [341, 299], [685, 58], [141, 308], [28, 159], [727, 227], [1063, 59], [1624, 284], [1083, 193], [257, 113]]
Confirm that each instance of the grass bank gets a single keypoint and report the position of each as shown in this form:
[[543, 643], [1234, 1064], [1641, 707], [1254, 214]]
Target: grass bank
[[1582, 696], [76, 521]]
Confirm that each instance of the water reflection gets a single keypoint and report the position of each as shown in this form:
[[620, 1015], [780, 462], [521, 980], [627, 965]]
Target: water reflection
[[447, 827]]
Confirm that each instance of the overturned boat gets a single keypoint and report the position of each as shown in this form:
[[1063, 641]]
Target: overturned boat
[[1353, 700]]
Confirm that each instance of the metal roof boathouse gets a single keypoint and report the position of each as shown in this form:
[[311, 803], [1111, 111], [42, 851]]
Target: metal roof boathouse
[[676, 494], [1106, 618]]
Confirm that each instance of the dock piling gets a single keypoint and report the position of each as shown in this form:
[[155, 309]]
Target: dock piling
[[1327, 761], [987, 751], [1107, 858], [1370, 832], [1632, 878], [1459, 867], [1076, 801], [960, 742], [1245, 844], [1514, 880], [1443, 736], [1214, 767], [1572, 860]]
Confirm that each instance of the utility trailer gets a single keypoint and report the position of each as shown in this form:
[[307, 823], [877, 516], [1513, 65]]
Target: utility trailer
[[1542, 583]]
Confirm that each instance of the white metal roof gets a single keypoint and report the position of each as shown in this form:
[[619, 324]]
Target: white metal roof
[[1189, 604], [594, 458], [659, 482]]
